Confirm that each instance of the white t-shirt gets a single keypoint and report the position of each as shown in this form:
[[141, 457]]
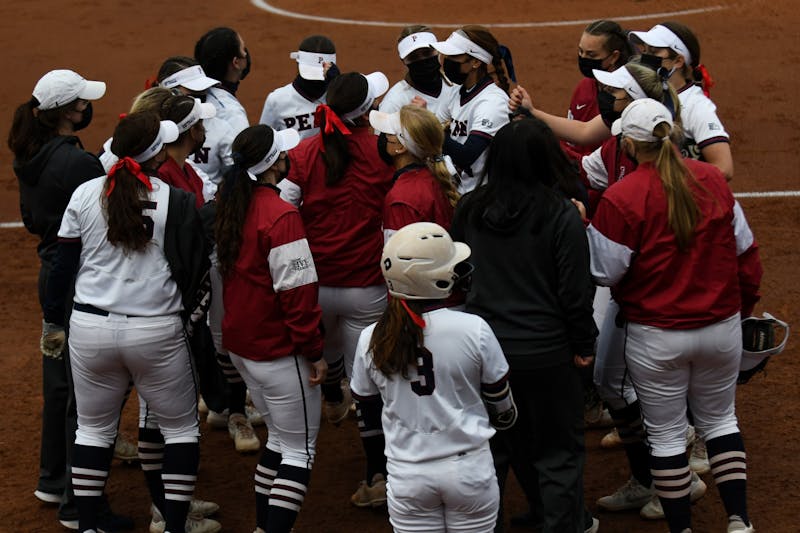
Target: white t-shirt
[[286, 108], [110, 278], [425, 419], [402, 93]]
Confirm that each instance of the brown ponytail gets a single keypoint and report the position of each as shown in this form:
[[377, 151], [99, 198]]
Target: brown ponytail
[[345, 93], [396, 339], [32, 128], [483, 38]]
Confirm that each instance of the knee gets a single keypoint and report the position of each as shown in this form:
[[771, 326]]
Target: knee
[[96, 437]]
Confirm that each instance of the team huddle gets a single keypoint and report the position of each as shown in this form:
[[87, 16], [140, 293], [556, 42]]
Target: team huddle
[[440, 255]]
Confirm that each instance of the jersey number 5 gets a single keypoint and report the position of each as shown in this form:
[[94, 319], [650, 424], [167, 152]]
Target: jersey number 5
[[424, 385], [149, 224]]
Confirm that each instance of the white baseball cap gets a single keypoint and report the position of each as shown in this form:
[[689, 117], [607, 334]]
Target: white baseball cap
[[377, 84], [60, 87], [193, 78], [662, 37], [282, 141], [415, 41], [167, 133], [458, 43], [311, 64], [620, 79], [640, 118], [200, 111], [389, 123]]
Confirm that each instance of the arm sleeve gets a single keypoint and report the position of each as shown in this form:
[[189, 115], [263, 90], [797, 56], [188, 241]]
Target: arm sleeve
[[464, 155], [294, 280], [595, 170], [750, 269], [60, 279], [610, 244], [291, 192]]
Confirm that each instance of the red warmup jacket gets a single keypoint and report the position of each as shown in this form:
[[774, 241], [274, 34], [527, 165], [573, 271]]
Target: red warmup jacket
[[416, 196], [182, 178], [583, 107], [270, 297]]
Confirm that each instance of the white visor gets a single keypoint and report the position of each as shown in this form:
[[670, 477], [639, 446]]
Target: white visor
[[620, 79], [310, 64], [458, 43], [390, 124], [167, 133], [662, 37], [377, 84], [200, 111], [640, 118], [282, 140], [415, 41], [193, 78]]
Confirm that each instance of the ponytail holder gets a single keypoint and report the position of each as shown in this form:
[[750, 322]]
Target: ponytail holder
[[505, 55], [418, 320], [332, 120], [151, 82], [131, 166], [237, 158], [707, 80], [122, 115], [438, 158]]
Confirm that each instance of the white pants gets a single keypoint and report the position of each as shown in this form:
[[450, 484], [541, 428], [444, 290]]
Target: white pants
[[457, 493], [669, 366], [106, 352], [290, 407], [345, 312], [610, 371]]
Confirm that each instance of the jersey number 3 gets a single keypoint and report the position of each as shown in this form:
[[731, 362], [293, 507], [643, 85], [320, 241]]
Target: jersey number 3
[[424, 385], [149, 224]]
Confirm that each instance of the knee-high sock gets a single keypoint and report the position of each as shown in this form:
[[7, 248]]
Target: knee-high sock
[[672, 480], [728, 462], [266, 470], [179, 476], [90, 466], [238, 390], [286, 497], [151, 458], [331, 389], [368, 411], [628, 422]]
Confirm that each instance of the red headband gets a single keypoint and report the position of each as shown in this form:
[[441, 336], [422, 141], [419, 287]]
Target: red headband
[[131, 166]]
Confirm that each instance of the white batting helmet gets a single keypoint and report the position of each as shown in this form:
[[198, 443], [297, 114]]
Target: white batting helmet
[[759, 343], [419, 262]]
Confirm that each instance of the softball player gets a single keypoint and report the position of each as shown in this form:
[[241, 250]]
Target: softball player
[[293, 105], [271, 323], [436, 372], [684, 268], [423, 78], [481, 107], [339, 182], [127, 326]]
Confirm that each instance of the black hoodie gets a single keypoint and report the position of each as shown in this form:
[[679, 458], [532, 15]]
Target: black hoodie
[[46, 184]]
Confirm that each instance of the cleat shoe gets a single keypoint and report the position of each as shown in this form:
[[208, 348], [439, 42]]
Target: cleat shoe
[[594, 528], [690, 436], [242, 434], [125, 450], [611, 440], [653, 509], [47, 497], [632, 495], [202, 508], [194, 524], [217, 420], [335, 412], [202, 408], [597, 418], [373, 495], [253, 416], [698, 460], [737, 525]]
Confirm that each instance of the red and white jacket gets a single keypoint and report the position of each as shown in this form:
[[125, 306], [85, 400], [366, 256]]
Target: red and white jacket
[[270, 297], [344, 221], [583, 106], [185, 178], [634, 251], [416, 196]]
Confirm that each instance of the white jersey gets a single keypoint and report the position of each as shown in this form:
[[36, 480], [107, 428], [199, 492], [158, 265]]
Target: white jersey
[[128, 283], [482, 111], [286, 108], [701, 125], [402, 93], [215, 155], [438, 412], [228, 108]]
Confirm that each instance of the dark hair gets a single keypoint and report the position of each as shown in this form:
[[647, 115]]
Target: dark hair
[[345, 93], [692, 71], [317, 43], [31, 129], [526, 168], [397, 339], [616, 38], [483, 38], [126, 224], [174, 64], [177, 108], [215, 50], [236, 191]]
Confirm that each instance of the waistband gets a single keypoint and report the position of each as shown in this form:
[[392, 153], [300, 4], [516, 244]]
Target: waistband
[[89, 308]]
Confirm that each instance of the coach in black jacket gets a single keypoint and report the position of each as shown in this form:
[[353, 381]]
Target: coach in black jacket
[[532, 285]]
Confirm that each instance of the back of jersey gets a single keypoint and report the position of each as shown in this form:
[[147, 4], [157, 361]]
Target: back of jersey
[[111, 278]]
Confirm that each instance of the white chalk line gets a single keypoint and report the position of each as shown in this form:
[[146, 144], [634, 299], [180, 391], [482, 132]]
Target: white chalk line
[[265, 5]]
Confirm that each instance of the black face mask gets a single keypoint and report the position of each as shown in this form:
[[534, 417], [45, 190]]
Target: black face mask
[[246, 70], [605, 102], [383, 150], [452, 69], [586, 65], [425, 74], [649, 60], [86, 118], [287, 164]]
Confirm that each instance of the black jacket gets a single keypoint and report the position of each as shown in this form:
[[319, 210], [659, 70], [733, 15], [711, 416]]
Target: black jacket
[[46, 184], [531, 281]]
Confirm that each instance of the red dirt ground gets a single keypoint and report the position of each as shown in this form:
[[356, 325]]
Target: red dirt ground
[[750, 48]]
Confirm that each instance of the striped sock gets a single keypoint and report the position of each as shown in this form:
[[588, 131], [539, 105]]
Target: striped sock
[[286, 497], [672, 480], [151, 459], [332, 389], [179, 477], [728, 462], [628, 422], [266, 470], [90, 465]]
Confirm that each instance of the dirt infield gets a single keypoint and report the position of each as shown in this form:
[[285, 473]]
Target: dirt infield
[[750, 48]]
